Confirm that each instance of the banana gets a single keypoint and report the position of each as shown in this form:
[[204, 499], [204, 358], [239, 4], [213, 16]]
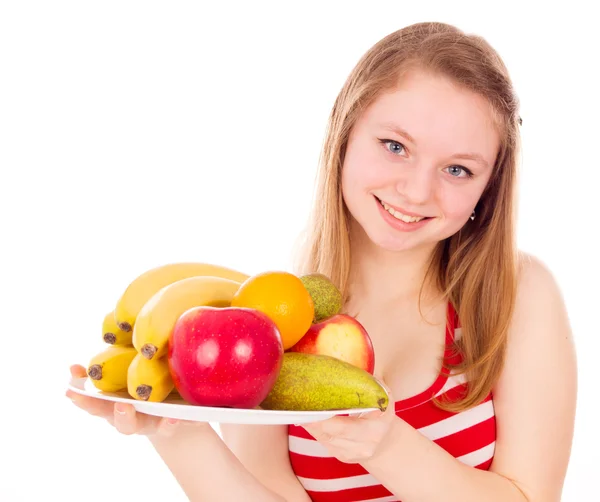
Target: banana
[[112, 334], [141, 289], [149, 380], [108, 369], [155, 322]]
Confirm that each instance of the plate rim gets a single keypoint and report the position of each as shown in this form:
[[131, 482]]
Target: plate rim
[[77, 384]]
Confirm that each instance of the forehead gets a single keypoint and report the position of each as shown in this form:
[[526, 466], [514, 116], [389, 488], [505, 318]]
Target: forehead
[[437, 114]]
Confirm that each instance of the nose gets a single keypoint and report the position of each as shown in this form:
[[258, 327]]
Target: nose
[[417, 184]]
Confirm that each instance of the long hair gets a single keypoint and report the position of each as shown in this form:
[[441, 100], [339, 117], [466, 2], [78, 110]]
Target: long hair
[[475, 268]]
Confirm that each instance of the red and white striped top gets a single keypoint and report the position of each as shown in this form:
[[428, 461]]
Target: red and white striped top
[[469, 436]]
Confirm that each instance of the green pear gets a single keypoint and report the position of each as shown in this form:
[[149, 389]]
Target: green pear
[[316, 382], [326, 297]]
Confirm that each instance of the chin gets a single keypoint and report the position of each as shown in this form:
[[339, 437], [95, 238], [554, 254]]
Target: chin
[[374, 235], [397, 244], [393, 241]]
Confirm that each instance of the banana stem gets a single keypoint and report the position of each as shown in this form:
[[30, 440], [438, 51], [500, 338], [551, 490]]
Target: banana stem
[[148, 350], [110, 338], [95, 372], [143, 392]]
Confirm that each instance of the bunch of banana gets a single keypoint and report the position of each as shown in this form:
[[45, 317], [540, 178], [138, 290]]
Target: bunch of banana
[[139, 328], [112, 334], [107, 370], [147, 284], [149, 380], [155, 322]]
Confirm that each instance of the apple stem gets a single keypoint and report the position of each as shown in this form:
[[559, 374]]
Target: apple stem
[[110, 338], [381, 402], [148, 350], [143, 391], [95, 372]]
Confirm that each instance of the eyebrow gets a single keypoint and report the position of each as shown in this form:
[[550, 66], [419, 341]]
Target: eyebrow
[[395, 128], [399, 131]]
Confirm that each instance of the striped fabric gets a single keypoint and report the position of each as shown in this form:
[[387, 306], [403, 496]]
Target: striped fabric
[[469, 436]]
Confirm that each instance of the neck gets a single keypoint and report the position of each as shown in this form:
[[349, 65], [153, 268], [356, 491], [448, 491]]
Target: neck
[[384, 277]]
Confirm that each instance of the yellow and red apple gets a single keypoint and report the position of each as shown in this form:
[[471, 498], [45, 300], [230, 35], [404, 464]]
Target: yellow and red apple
[[340, 336]]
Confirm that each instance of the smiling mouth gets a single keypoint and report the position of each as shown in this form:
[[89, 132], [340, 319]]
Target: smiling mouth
[[399, 216]]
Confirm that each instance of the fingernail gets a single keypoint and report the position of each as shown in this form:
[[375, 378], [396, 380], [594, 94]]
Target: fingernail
[[120, 408]]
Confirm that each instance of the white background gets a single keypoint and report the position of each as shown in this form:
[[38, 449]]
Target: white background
[[133, 134]]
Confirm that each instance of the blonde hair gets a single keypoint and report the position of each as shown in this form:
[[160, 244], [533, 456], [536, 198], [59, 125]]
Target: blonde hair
[[476, 267]]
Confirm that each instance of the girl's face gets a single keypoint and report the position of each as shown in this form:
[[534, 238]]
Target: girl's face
[[417, 162]]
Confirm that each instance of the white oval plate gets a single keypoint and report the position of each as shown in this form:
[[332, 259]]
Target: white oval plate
[[175, 407]]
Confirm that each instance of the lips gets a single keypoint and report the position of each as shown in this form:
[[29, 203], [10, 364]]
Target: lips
[[406, 217]]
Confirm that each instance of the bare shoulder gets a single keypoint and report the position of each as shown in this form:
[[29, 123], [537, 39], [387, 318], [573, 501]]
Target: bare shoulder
[[534, 275], [540, 327], [532, 269], [539, 302], [535, 396]]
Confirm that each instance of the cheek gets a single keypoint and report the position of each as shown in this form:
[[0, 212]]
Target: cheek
[[458, 205], [363, 171]]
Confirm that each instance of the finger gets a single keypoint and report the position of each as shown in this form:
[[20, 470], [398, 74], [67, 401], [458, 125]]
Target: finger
[[78, 371], [125, 419], [167, 426], [348, 451], [323, 431], [341, 447], [317, 432], [352, 428], [344, 446], [369, 415], [335, 426], [94, 406]]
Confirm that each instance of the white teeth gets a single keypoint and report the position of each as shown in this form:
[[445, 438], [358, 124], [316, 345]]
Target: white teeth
[[398, 215]]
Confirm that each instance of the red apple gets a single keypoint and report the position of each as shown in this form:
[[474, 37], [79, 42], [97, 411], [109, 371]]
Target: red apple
[[340, 336], [227, 357]]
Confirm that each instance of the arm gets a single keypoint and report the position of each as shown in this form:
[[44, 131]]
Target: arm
[[263, 450], [535, 406], [207, 470]]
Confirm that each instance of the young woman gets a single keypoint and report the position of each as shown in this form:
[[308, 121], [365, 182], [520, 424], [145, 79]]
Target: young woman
[[414, 220]]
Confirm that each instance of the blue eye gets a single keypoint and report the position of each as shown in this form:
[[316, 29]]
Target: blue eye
[[392, 146], [455, 172], [397, 148]]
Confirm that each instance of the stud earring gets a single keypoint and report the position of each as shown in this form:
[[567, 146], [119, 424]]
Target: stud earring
[[473, 215]]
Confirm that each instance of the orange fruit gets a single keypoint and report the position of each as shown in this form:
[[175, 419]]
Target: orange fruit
[[283, 298]]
